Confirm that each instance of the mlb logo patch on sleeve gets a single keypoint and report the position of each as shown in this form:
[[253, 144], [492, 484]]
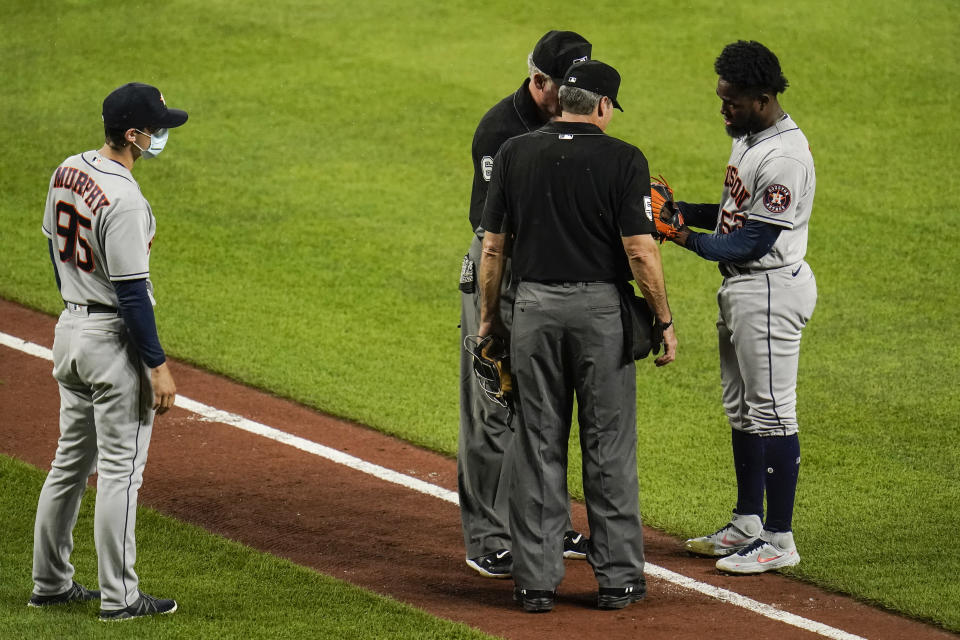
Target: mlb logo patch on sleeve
[[648, 208], [776, 198]]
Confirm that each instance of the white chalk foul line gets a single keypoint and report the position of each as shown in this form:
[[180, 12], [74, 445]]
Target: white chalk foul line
[[217, 415], [234, 420], [734, 598], [27, 347]]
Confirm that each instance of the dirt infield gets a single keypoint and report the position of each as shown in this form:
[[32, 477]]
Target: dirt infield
[[382, 536]]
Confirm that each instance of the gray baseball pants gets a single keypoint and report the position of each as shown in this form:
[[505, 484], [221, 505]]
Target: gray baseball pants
[[105, 424], [568, 339], [759, 326]]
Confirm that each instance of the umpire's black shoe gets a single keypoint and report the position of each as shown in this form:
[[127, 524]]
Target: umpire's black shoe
[[144, 606], [76, 593], [534, 600], [498, 564], [575, 545], [620, 597]]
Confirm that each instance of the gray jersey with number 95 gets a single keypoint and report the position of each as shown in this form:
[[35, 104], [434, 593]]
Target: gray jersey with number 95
[[101, 226]]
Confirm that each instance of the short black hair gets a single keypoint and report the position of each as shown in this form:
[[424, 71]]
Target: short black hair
[[752, 67], [116, 138]]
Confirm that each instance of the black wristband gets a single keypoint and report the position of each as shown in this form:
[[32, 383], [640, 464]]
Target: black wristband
[[663, 326]]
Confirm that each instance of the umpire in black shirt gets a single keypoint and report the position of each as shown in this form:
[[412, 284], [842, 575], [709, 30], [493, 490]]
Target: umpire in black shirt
[[486, 430], [575, 204]]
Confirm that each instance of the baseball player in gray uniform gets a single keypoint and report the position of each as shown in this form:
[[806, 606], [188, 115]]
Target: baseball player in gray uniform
[[486, 432], [767, 297], [111, 370]]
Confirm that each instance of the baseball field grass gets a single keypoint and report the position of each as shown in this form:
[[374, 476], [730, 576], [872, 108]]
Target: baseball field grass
[[225, 590], [313, 212]]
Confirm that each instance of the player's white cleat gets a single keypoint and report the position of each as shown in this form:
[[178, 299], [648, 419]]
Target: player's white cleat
[[768, 552], [738, 534]]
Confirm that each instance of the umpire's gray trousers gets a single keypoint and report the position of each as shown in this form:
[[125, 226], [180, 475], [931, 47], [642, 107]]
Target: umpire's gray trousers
[[485, 436], [566, 339]]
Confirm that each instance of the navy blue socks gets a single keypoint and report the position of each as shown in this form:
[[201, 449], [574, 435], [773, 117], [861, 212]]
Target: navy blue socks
[[782, 459], [748, 463], [766, 465]]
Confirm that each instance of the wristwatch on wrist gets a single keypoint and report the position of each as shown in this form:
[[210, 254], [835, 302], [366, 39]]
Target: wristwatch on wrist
[[663, 326]]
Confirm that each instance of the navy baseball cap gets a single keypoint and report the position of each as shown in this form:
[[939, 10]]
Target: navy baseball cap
[[557, 50], [596, 77], [138, 106]]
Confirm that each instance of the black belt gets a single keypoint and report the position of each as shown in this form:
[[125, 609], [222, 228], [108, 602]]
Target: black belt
[[93, 308], [731, 271], [569, 283]]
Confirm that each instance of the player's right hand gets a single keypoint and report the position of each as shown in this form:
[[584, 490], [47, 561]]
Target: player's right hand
[[164, 389]]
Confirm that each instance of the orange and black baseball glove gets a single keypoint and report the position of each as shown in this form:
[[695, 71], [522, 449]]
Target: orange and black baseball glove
[[666, 214]]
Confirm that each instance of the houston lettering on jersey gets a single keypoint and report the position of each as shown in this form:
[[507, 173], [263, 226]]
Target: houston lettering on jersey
[[732, 180], [83, 185]]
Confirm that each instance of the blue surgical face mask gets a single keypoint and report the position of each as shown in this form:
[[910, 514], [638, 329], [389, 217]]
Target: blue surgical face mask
[[158, 140]]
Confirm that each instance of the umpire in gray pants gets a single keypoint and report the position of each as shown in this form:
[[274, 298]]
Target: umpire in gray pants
[[486, 430], [576, 204]]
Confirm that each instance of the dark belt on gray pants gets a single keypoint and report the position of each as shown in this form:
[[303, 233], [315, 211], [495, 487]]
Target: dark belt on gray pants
[[91, 308], [731, 271], [569, 283]]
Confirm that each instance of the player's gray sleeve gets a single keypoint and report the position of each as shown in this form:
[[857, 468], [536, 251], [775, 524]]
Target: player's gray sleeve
[[49, 227], [53, 261], [126, 242], [779, 186]]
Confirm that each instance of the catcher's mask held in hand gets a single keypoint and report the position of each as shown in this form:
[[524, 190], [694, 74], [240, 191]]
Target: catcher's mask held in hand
[[491, 364]]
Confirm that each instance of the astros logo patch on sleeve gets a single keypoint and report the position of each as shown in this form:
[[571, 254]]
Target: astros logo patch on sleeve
[[776, 198]]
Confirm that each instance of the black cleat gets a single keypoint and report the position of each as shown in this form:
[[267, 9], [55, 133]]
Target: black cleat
[[144, 606], [498, 564], [575, 545], [620, 597], [534, 600], [76, 593]]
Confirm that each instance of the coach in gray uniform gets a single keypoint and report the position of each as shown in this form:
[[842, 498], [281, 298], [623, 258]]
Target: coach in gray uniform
[[485, 432], [576, 204], [107, 359]]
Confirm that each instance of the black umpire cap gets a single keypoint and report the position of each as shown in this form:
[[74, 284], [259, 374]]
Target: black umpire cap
[[137, 105], [557, 50], [596, 77]]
